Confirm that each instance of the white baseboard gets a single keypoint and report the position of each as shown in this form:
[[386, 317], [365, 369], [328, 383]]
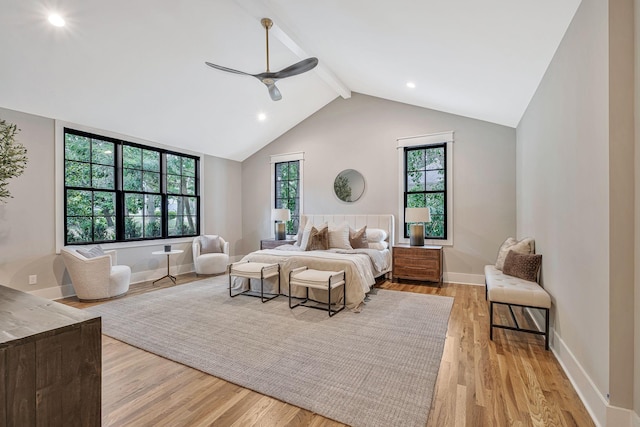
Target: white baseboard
[[55, 292], [144, 276], [636, 419], [463, 278], [595, 403]]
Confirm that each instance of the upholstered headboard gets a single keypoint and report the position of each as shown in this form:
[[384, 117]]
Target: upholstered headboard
[[383, 221]]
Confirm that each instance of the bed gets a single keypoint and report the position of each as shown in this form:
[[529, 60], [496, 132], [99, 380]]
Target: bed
[[362, 266]]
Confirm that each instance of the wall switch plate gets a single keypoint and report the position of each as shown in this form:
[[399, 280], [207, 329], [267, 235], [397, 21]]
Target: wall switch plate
[[33, 279]]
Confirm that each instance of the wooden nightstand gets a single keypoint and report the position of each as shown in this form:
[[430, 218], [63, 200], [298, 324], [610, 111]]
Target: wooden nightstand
[[417, 263], [273, 243]]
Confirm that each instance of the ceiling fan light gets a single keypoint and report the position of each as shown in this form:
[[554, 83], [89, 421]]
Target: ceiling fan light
[[411, 85], [262, 117]]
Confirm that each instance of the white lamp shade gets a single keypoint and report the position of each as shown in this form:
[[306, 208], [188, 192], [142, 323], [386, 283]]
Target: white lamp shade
[[280, 215], [417, 215]]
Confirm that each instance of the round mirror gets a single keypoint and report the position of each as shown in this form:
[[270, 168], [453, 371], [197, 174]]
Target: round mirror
[[349, 185]]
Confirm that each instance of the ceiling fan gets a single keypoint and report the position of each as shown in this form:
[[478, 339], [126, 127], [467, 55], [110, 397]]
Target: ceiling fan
[[269, 78]]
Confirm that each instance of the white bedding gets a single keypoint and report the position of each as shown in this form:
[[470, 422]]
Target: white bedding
[[358, 267], [361, 266]]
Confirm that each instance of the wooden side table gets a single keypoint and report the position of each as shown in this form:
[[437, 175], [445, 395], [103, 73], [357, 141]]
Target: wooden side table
[[273, 243], [422, 263]]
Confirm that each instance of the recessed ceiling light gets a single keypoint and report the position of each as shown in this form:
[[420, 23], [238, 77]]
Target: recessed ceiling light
[[411, 85], [56, 20], [262, 117]]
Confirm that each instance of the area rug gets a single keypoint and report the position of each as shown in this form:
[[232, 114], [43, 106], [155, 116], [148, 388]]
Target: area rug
[[373, 368]]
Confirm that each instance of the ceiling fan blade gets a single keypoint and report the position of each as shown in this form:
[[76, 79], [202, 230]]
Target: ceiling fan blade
[[274, 92], [229, 70], [297, 68]]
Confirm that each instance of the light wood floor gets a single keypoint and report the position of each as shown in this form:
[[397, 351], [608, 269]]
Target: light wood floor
[[511, 381]]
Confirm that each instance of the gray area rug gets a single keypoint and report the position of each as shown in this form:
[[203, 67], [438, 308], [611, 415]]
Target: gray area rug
[[374, 368]]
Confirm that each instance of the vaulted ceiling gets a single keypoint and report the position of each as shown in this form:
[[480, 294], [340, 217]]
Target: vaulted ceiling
[[137, 67]]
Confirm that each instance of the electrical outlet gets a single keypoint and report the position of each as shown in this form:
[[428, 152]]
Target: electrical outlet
[[33, 279]]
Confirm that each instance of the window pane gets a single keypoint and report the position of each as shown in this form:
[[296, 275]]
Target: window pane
[[104, 229], [173, 184], [175, 226], [131, 157], [415, 181], [77, 174], [188, 166], [102, 152], [79, 229], [435, 180], [77, 148], [104, 204], [132, 180], [133, 227], [103, 177], [152, 227], [416, 200], [173, 164], [133, 204], [281, 171], [78, 203], [415, 160], [153, 205], [189, 185], [293, 170], [435, 202], [151, 182], [282, 188], [151, 160], [435, 158]]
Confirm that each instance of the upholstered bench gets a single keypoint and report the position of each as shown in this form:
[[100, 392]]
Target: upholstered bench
[[318, 279], [509, 290], [254, 270]]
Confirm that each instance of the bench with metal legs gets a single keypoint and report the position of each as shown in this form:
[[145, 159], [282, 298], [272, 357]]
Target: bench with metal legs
[[318, 279], [254, 270]]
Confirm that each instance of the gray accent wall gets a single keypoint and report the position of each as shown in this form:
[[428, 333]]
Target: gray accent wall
[[27, 221], [575, 174], [360, 133]]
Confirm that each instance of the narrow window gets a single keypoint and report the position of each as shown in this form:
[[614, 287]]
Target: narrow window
[[287, 194]]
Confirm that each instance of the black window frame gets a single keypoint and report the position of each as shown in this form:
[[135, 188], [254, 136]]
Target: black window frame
[[444, 191], [293, 224], [120, 192]]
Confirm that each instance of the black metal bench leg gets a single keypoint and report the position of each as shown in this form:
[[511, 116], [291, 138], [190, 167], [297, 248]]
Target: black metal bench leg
[[491, 320], [546, 329]]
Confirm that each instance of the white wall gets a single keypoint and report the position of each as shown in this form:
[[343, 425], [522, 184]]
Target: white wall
[[574, 195], [360, 133], [27, 222]]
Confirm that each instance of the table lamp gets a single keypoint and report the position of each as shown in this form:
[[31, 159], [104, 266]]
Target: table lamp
[[417, 217], [280, 216]]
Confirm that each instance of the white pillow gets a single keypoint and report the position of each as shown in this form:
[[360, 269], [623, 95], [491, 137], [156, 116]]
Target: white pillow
[[94, 252], [525, 246], [301, 226], [381, 246], [375, 235], [339, 236]]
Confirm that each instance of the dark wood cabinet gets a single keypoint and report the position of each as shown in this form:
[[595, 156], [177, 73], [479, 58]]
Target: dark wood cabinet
[[422, 263], [50, 363], [273, 243]]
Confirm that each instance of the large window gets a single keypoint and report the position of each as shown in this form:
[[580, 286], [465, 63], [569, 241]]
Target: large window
[[119, 191], [287, 194], [425, 185]]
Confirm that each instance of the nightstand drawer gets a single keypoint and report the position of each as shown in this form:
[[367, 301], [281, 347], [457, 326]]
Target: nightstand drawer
[[417, 254], [416, 273]]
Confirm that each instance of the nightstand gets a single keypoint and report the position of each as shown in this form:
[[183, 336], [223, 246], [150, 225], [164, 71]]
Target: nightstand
[[417, 263], [273, 243]]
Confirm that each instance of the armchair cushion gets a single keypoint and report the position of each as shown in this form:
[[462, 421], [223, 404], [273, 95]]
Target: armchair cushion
[[210, 245], [96, 251]]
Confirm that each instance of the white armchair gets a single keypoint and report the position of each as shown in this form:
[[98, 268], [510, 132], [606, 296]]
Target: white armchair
[[98, 277], [205, 260]]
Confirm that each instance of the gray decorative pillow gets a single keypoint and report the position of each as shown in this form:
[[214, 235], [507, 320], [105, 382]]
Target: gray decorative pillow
[[522, 266], [210, 244], [524, 246], [318, 239], [96, 251], [358, 239]]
